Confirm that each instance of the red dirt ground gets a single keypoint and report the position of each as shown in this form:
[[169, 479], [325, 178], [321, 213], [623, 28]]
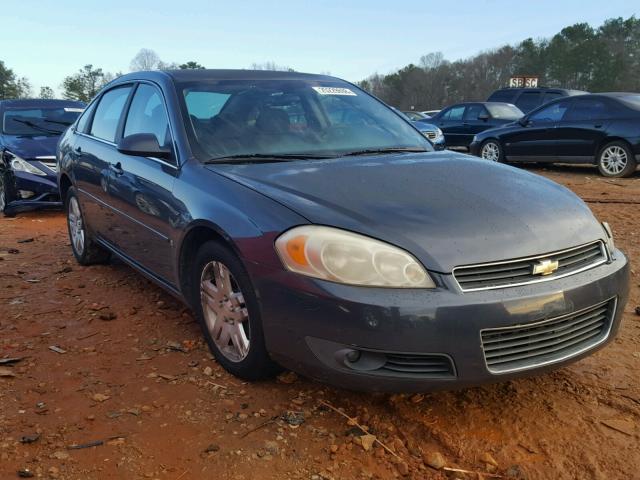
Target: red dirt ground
[[137, 376]]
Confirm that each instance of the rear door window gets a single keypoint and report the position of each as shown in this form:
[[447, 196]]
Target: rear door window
[[528, 101], [505, 96], [585, 109], [108, 113]]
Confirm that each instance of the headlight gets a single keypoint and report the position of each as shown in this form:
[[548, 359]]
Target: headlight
[[20, 165], [345, 257], [434, 135], [611, 247]]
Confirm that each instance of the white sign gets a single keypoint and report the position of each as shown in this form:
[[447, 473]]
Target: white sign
[[334, 91]]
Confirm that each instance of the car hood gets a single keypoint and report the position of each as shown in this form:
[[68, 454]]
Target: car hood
[[30, 147], [447, 209]]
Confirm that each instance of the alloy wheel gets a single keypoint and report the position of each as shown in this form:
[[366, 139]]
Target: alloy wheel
[[613, 160], [490, 151], [225, 311], [76, 226]]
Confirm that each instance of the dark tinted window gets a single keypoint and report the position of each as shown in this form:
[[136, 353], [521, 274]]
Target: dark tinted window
[[551, 96], [506, 96], [108, 112], [147, 114], [589, 109], [528, 101], [473, 111], [550, 113], [454, 113]]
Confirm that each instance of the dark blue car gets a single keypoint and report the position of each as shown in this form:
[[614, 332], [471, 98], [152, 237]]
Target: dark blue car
[[29, 133], [310, 226]]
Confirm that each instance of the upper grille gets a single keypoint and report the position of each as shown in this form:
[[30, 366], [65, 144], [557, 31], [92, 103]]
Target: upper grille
[[52, 165], [519, 272], [526, 346]]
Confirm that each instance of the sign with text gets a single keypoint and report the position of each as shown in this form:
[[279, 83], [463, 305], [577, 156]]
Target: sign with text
[[523, 82]]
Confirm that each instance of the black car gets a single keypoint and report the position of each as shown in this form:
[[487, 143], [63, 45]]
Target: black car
[[309, 225], [462, 121], [29, 133], [526, 99], [601, 129]]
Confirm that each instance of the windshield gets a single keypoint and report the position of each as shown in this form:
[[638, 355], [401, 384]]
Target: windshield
[[305, 118], [504, 111], [38, 121]]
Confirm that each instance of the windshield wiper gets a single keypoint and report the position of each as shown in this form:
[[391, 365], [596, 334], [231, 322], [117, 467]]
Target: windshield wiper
[[374, 151], [264, 157], [37, 127], [59, 122]]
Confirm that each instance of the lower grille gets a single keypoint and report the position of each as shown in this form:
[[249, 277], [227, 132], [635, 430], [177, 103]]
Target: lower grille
[[532, 345], [521, 272], [431, 366]]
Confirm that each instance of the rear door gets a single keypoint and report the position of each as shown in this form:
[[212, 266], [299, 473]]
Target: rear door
[[536, 139], [451, 123], [93, 149], [583, 128], [140, 189]]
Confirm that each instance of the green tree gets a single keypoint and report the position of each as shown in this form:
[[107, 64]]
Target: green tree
[[46, 93], [191, 65], [12, 86], [84, 84]]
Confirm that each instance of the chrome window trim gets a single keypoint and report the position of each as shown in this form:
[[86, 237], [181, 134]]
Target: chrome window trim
[[541, 322], [546, 278]]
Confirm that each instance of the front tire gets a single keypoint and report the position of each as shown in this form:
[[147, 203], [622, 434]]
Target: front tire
[[228, 311], [492, 150], [616, 160], [85, 249]]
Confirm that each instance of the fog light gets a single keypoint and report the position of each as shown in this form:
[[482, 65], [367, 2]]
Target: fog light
[[353, 356], [24, 194]]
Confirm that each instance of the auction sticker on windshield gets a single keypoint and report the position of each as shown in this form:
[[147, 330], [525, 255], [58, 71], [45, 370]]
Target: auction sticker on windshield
[[334, 91]]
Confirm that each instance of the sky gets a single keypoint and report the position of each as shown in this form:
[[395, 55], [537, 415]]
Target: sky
[[47, 40]]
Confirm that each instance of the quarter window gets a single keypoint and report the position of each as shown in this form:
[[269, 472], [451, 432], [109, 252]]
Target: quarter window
[[147, 114], [108, 113]]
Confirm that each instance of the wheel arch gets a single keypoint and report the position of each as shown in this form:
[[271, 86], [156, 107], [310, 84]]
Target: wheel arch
[[606, 141], [64, 184], [198, 233]]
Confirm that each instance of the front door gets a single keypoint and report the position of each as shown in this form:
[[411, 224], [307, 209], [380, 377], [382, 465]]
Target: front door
[[140, 189], [451, 123]]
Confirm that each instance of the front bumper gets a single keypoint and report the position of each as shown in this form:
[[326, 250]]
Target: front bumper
[[44, 189], [310, 325]]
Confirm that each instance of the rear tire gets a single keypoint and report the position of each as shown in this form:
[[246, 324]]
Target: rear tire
[[227, 308], [616, 160], [3, 196], [85, 249], [492, 150]]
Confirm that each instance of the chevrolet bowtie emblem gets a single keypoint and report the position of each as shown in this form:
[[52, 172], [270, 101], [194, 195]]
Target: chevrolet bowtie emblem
[[545, 267]]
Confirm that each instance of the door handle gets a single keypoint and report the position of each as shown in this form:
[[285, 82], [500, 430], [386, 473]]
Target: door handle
[[117, 168]]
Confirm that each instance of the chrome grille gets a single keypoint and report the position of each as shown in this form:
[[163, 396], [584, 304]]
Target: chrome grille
[[430, 135], [52, 165], [531, 345], [520, 272]]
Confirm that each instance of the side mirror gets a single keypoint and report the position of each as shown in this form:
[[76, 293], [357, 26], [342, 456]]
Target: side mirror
[[143, 145], [524, 121], [483, 116]]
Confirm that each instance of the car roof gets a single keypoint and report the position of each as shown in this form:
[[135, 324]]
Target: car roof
[[191, 75], [568, 91], [39, 102]]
